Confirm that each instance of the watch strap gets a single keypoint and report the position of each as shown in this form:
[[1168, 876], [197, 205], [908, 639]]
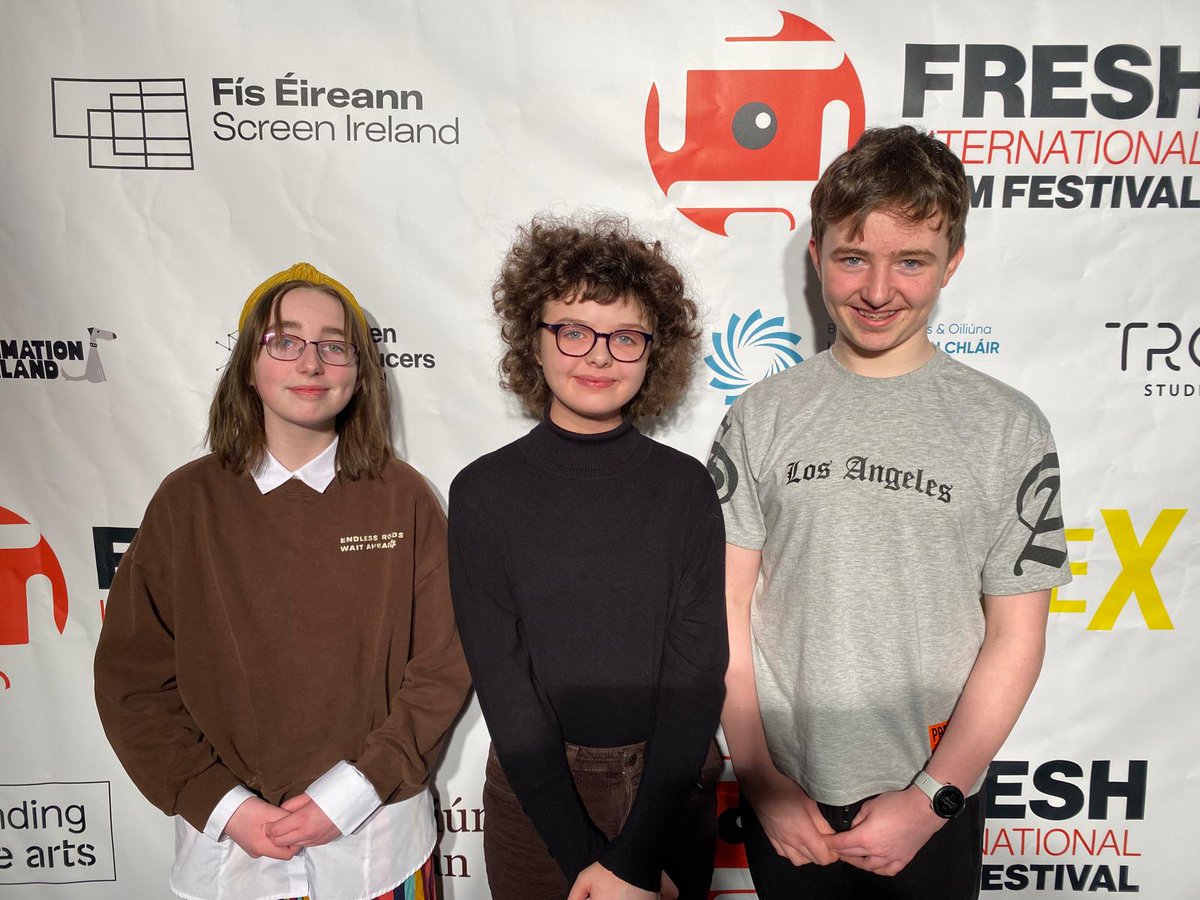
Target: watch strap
[[946, 800], [927, 784]]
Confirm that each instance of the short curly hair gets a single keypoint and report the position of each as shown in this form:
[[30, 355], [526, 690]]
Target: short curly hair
[[597, 258]]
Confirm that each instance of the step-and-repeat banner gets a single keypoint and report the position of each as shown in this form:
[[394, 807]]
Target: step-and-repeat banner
[[159, 159]]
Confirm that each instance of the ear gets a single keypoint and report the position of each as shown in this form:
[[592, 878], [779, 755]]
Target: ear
[[814, 253], [952, 265]]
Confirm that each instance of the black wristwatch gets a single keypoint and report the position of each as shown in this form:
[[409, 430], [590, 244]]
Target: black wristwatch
[[945, 800]]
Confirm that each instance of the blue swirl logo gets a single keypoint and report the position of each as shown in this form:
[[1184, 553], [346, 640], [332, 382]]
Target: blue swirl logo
[[757, 344]]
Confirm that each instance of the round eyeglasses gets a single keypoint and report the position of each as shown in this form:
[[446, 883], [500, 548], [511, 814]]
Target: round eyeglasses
[[288, 347], [625, 345]]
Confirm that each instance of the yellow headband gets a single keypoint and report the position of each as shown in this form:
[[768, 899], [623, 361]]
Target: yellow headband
[[299, 272]]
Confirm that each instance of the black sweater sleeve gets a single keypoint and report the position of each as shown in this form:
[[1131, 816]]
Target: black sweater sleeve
[[691, 691], [523, 726]]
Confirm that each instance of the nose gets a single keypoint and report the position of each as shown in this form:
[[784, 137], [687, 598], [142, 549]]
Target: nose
[[599, 355], [310, 361], [877, 288]]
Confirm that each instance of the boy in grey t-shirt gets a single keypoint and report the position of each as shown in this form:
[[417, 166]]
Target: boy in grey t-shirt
[[894, 531]]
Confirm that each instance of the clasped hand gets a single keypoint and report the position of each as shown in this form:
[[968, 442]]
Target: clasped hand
[[791, 820], [598, 883], [887, 832], [280, 832], [883, 838]]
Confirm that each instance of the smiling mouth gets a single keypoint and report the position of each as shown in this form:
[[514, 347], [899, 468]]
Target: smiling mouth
[[308, 391], [596, 383], [876, 316]]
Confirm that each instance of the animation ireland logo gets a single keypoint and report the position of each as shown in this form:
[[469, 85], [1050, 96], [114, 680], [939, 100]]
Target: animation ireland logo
[[42, 358], [759, 119], [749, 350]]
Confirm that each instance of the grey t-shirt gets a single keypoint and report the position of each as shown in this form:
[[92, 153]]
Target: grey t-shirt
[[884, 508]]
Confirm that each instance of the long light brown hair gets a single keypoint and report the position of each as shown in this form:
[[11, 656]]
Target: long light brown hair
[[235, 419]]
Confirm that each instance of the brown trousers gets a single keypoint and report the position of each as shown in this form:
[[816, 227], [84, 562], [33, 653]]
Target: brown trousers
[[520, 867]]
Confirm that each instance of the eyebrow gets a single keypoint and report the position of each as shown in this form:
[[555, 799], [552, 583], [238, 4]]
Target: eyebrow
[[633, 326], [328, 329], [850, 250]]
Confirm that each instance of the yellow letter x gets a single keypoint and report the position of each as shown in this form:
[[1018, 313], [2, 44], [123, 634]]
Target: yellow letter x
[[1135, 578]]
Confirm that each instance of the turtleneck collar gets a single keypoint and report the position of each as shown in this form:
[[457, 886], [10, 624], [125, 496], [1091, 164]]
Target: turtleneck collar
[[607, 453]]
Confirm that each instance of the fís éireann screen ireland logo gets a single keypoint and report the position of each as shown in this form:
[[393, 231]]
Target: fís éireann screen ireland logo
[[132, 123]]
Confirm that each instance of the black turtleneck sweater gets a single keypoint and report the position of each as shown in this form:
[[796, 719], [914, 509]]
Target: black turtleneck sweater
[[588, 580]]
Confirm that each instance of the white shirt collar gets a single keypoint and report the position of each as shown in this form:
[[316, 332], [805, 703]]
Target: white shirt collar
[[317, 473]]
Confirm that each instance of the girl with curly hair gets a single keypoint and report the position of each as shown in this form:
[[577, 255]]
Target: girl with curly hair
[[586, 566]]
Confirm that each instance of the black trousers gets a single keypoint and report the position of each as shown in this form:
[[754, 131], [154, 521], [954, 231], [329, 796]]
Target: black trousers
[[948, 867]]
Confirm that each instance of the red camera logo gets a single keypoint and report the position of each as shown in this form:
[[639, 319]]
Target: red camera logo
[[24, 553], [731, 854], [761, 120]]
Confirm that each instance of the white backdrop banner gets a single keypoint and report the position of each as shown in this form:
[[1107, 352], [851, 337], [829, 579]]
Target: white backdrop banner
[[159, 159]]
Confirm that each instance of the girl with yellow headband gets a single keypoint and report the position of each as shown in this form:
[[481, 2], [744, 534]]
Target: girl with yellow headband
[[279, 666]]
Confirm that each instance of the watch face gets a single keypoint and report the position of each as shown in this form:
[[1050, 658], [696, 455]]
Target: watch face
[[948, 802]]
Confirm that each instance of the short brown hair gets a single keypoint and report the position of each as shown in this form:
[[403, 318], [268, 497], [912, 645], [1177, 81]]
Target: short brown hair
[[901, 170], [235, 419], [594, 258]]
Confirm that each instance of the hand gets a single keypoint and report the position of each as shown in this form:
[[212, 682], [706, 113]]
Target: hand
[[247, 828], [668, 891], [598, 883], [888, 831], [791, 820], [305, 826]]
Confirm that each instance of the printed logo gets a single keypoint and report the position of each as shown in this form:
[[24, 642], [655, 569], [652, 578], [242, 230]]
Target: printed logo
[[1047, 125], [56, 833], [749, 351], [1095, 852], [1164, 347], [384, 337], [1042, 482], [288, 92], [891, 478], [352, 542], [963, 338], [134, 123], [25, 554], [720, 466], [1135, 578], [800, 471], [145, 123], [109, 543], [451, 821], [757, 121], [39, 358], [935, 734], [731, 839]]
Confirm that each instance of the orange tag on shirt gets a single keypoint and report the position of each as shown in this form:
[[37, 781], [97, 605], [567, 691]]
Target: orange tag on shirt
[[935, 734]]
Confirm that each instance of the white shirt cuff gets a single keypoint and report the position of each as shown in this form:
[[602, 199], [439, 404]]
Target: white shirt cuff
[[223, 812], [345, 795]]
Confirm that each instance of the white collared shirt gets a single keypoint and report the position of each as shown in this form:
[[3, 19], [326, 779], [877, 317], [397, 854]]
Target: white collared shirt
[[380, 846], [318, 473]]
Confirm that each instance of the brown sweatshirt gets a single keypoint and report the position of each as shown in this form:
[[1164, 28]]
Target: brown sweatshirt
[[258, 639]]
